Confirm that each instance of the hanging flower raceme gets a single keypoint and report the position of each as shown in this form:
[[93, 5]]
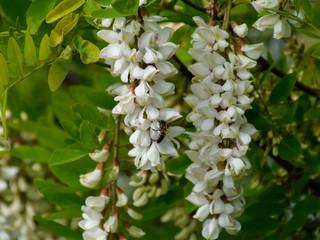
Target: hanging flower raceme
[[219, 99], [139, 52], [279, 23]]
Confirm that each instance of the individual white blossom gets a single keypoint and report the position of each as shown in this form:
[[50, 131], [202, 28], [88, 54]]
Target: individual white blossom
[[219, 98], [91, 179], [279, 24], [139, 54]]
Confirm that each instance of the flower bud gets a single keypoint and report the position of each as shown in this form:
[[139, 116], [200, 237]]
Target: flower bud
[[241, 30], [99, 155], [133, 214], [142, 200], [154, 177], [122, 200], [114, 173], [91, 179], [111, 225], [97, 203], [135, 232]]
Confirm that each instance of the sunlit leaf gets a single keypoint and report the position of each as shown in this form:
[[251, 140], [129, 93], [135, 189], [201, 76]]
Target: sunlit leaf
[[91, 114], [34, 154], [66, 156], [37, 12], [64, 26], [4, 75], [30, 53], [59, 69], [89, 53], [127, 6], [88, 136], [44, 49], [108, 13], [63, 8], [14, 57]]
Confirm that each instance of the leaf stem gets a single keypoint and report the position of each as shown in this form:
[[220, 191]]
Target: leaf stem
[[227, 16]]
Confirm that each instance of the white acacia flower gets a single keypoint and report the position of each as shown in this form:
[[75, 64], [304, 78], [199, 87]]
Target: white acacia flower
[[241, 30], [211, 229], [91, 179], [99, 155], [111, 225], [97, 203], [280, 24], [135, 232]]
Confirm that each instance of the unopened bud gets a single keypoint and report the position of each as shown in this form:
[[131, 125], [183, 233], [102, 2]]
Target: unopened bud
[[97, 203], [122, 200], [138, 179], [114, 173], [91, 179], [137, 193], [111, 225], [241, 30], [133, 214], [143, 200], [135, 232], [183, 234], [154, 177], [152, 191], [99, 155]]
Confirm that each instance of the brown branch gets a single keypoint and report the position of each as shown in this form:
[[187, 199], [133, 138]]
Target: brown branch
[[191, 4], [183, 69], [265, 65]]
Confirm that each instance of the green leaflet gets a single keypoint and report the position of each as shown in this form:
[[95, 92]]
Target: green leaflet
[[63, 8], [44, 49], [59, 69], [65, 25], [14, 57], [89, 52], [37, 12], [30, 53]]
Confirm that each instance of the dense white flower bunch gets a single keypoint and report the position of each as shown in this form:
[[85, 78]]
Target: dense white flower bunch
[[139, 53], [20, 201], [219, 99], [280, 24]]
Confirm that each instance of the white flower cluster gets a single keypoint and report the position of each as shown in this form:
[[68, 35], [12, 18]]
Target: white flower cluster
[[20, 202], [219, 99], [139, 53], [280, 24]]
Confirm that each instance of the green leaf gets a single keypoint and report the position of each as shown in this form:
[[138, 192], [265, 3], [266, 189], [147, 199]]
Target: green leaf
[[58, 229], [102, 100], [4, 75], [70, 172], [37, 12], [67, 214], [299, 186], [89, 53], [265, 209], [126, 6], [178, 165], [308, 33], [108, 13], [89, 7], [63, 8], [60, 195], [88, 135], [309, 205], [64, 26], [30, 53], [66, 155], [260, 225], [313, 114], [180, 34], [14, 57], [296, 222], [59, 69], [296, 5], [289, 148], [282, 90], [91, 114], [103, 2], [34, 154], [70, 128], [49, 135], [306, 5], [44, 49], [187, 190]]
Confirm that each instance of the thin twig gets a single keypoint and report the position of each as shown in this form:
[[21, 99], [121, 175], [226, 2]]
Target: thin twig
[[183, 69], [191, 4], [114, 183], [265, 65], [227, 16]]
